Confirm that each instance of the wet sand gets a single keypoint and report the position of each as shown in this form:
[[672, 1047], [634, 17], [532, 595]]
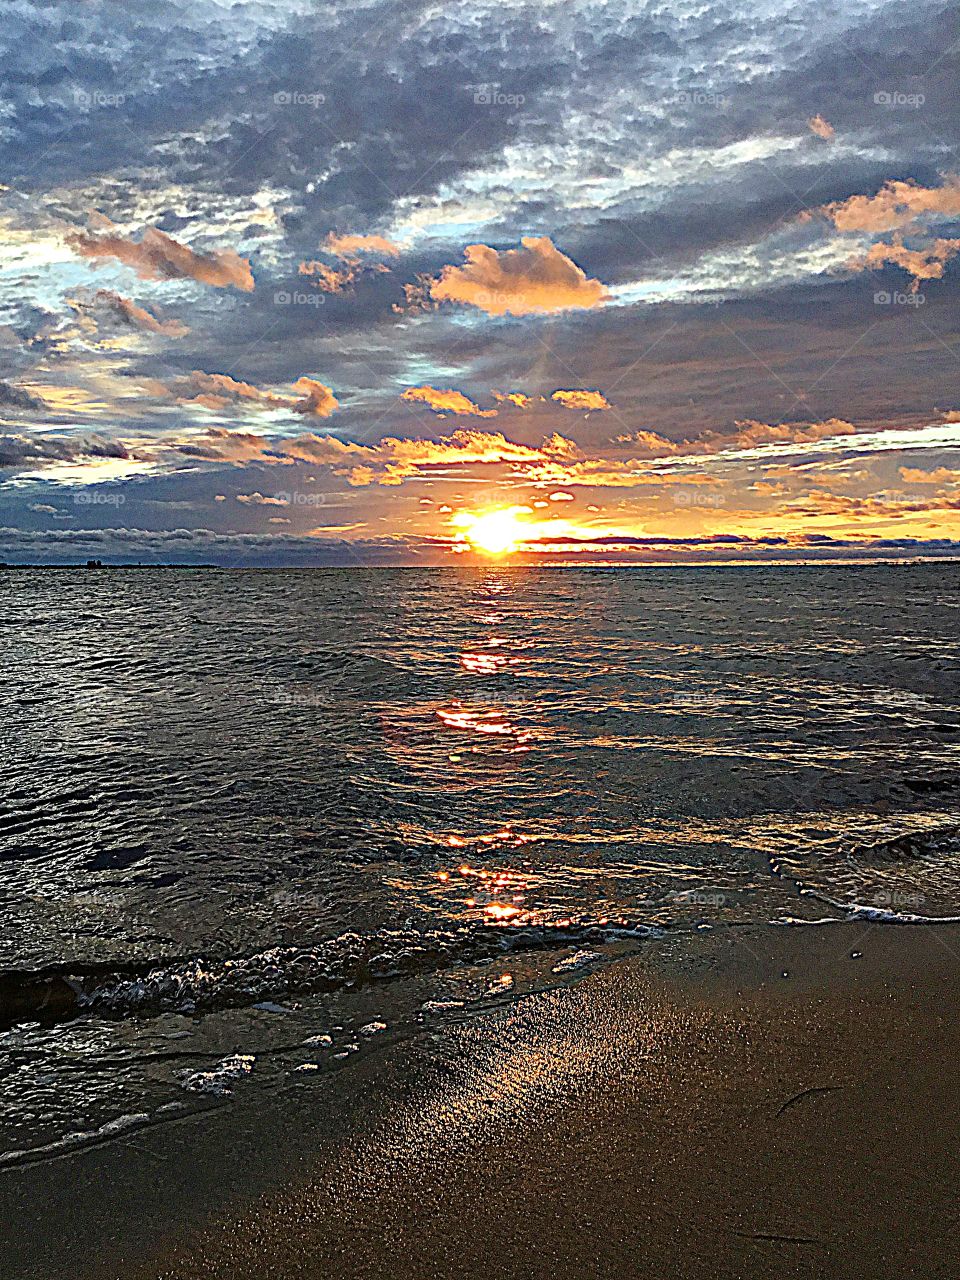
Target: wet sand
[[782, 1102]]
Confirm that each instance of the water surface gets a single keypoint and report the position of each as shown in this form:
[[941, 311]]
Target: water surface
[[244, 811]]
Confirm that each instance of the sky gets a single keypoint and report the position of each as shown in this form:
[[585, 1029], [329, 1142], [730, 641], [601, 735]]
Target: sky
[[296, 283]]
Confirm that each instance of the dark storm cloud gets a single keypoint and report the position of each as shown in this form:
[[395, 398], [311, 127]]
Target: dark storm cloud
[[193, 546], [17, 398], [371, 97], [28, 451]]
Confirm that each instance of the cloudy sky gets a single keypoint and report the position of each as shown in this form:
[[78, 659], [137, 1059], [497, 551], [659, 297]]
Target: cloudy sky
[[305, 283]]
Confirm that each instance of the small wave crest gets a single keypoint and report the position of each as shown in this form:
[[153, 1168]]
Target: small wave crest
[[199, 985]]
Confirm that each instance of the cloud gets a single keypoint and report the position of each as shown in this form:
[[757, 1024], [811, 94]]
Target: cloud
[[391, 462], [534, 279], [206, 544], [262, 500], [747, 435], [926, 263], [128, 313], [883, 505], [447, 402], [20, 450], [896, 205], [315, 398], [513, 397], [329, 279], [219, 444], [219, 390], [158, 256], [349, 246], [17, 398], [822, 128], [394, 460], [940, 475], [581, 399]]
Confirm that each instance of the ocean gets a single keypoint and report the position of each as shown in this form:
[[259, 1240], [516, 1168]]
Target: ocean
[[254, 824]]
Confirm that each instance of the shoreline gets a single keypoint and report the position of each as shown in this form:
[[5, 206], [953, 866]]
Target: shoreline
[[779, 1102]]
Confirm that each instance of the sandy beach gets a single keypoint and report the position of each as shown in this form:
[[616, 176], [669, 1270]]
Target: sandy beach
[[763, 1102]]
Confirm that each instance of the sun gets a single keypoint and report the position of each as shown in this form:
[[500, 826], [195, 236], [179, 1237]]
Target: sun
[[496, 533]]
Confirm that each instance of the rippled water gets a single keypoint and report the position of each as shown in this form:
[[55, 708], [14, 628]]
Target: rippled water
[[242, 810]]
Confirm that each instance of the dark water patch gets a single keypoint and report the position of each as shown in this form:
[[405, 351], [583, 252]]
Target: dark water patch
[[933, 785], [939, 843]]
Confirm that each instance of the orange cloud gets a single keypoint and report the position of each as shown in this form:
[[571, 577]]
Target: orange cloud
[[581, 399], [329, 279], [127, 311], [822, 128], [513, 397], [447, 402], [896, 205], [748, 435], [218, 390], [390, 462], [315, 398], [940, 475], [159, 257], [348, 246], [395, 460], [923, 264], [818, 502], [534, 279]]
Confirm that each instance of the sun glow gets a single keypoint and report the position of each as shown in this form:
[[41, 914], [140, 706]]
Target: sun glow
[[497, 532]]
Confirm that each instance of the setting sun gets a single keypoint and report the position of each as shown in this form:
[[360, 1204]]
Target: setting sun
[[495, 532]]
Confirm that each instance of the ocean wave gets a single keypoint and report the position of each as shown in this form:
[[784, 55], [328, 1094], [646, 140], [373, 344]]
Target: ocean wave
[[199, 985]]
